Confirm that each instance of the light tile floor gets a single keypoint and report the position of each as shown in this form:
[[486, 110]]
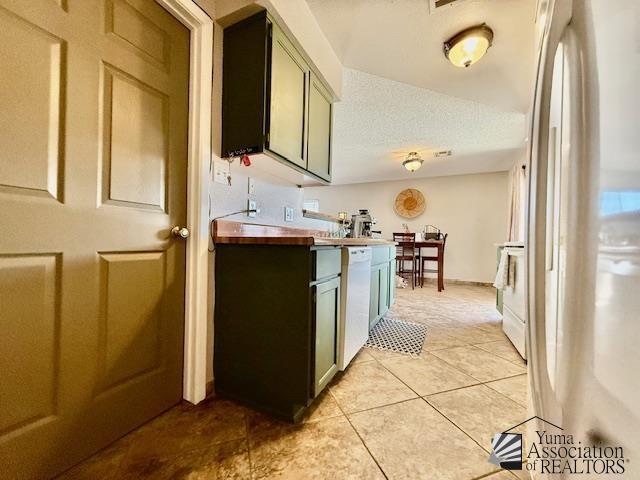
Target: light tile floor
[[387, 416]]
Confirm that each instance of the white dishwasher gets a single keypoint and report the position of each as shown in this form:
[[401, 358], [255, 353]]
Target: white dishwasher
[[354, 303]]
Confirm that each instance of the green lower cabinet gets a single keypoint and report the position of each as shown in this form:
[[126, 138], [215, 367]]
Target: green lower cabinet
[[326, 318], [383, 301], [499, 291], [392, 282], [374, 296], [382, 295], [275, 346]]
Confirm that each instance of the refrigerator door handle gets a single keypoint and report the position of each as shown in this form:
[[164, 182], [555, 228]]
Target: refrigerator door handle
[[577, 327], [543, 402]]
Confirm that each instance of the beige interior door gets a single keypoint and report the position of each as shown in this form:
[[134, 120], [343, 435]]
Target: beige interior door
[[93, 152]]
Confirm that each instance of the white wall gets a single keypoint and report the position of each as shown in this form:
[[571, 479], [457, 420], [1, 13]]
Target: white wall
[[472, 209]]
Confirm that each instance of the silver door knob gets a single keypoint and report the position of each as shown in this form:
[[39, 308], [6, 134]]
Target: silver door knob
[[180, 232]]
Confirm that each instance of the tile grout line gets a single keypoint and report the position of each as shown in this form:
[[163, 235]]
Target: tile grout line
[[375, 460], [380, 406], [468, 374], [479, 382], [347, 415], [437, 410], [477, 345], [441, 413], [474, 440], [504, 395], [455, 425]]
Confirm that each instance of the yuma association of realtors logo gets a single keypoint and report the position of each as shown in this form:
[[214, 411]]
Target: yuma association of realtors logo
[[507, 451], [553, 453]]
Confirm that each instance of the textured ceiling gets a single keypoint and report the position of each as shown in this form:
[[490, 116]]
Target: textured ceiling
[[379, 121], [400, 93], [401, 40]]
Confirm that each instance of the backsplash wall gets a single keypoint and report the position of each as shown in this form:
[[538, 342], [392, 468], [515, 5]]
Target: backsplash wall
[[272, 195]]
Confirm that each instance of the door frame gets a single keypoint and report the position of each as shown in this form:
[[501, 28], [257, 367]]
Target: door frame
[[200, 25]]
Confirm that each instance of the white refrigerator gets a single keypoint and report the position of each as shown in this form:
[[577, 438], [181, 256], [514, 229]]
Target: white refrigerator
[[583, 248]]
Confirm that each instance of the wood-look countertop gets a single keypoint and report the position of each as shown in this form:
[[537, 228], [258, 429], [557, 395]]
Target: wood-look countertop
[[230, 232]]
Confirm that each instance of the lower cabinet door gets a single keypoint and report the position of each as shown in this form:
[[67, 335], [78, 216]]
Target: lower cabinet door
[[383, 301], [327, 316], [374, 297], [392, 282]]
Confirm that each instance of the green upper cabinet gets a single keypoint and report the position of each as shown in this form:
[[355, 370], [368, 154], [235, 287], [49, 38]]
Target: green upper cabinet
[[272, 101], [288, 102], [319, 143]]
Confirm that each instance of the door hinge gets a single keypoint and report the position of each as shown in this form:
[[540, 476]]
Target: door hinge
[[267, 137]]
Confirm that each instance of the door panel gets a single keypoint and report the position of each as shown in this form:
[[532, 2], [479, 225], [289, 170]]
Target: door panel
[[392, 281], [374, 296], [29, 291], [135, 154], [288, 99], [92, 178], [318, 149], [40, 110], [138, 32], [327, 311], [132, 286], [384, 290]]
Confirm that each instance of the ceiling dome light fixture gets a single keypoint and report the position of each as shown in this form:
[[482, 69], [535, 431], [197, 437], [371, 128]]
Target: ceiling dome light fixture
[[413, 162], [467, 47]]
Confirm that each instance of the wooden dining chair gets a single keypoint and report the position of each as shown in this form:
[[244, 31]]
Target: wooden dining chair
[[439, 259], [406, 252]]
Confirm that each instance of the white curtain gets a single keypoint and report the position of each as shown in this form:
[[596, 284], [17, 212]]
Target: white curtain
[[517, 199]]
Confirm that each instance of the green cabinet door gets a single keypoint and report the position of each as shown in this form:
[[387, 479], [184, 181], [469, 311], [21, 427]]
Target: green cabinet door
[[286, 134], [383, 299], [392, 282], [319, 143], [374, 297], [499, 291], [327, 316]]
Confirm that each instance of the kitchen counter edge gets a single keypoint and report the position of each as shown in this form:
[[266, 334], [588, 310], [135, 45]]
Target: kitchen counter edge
[[303, 241]]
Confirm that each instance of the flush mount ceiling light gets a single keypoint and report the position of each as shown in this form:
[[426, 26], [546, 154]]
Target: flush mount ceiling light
[[413, 162], [467, 47]]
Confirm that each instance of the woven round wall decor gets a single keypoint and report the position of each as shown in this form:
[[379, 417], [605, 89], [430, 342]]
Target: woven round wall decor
[[410, 203]]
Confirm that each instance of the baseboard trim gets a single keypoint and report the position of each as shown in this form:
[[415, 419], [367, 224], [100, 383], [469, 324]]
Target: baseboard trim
[[452, 281]]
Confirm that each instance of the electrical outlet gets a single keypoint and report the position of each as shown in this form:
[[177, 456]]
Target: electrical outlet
[[220, 173], [252, 205], [288, 214], [251, 190]]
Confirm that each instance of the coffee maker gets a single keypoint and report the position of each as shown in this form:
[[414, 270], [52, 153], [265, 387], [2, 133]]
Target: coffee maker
[[361, 224]]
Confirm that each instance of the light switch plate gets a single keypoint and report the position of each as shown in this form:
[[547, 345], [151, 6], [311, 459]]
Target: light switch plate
[[288, 214], [252, 205], [251, 190], [220, 173]]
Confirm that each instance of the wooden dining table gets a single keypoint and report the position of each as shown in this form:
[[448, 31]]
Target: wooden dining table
[[439, 244]]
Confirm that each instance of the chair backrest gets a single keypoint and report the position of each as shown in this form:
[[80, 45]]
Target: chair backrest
[[406, 244], [444, 239]]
